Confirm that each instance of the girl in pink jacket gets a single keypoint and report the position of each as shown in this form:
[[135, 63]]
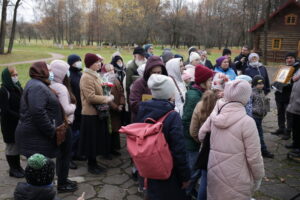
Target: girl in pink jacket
[[235, 165]]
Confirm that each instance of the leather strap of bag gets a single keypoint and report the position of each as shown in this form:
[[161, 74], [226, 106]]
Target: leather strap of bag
[[180, 93]]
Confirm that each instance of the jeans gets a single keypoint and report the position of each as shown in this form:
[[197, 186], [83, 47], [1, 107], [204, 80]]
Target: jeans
[[258, 122], [203, 186], [63, 159], [195, 174], [75, 141]]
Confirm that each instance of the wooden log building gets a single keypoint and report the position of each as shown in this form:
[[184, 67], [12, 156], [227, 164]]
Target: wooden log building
[[283, 32]]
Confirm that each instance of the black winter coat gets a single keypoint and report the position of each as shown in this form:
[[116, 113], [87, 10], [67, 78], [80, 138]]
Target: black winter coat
[[10, 106], [75, 76], [173, 131], [241, 65], [40, 114], [24, 191]]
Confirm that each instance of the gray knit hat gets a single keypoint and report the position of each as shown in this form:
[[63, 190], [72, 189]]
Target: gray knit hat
[[161, 86]]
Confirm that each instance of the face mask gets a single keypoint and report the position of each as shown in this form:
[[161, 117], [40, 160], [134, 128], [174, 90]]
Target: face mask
[[256, 63], [120, 65], [51, 76], [68, 73], [78, 65], [15, 79]]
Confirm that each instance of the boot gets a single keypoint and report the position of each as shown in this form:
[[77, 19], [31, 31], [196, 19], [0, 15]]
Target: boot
[[278, 132], [286, 135], [15, 169]]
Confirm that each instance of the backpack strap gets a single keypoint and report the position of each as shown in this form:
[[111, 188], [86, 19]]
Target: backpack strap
[[219, 110], [162, 119]]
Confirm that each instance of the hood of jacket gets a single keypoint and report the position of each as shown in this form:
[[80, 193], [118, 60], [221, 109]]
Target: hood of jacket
[[152, 62], [154, 109], [24, 191], [173, 69], [231, 112]]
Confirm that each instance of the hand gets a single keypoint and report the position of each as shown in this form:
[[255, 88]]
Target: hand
[[81, 197], [257, 184], [110, 98], [243, 59], [120, 108], [185, 184]]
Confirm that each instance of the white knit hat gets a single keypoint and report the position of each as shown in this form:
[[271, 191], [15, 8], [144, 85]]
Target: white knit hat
[[253, 55], [237, 90], [194, 56], [161, 86], [60, 69]]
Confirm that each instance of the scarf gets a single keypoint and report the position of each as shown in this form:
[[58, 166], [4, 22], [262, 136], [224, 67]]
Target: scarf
[[7, 81], [39, 71]]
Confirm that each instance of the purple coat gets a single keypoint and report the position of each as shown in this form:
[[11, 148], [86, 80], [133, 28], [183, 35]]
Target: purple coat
[[140, 87]]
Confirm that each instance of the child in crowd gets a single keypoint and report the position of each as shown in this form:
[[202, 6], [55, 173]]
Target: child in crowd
[[39, 175], [259, 111], [249, 104]]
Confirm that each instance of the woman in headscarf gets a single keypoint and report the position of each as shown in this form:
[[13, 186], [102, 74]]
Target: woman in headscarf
[[10, 96]]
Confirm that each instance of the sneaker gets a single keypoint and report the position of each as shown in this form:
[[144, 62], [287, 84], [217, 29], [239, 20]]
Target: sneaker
[[278, 132], [72, 182], [96, 169], [67, 187], [17, 173], [290, 146], [72, 165], [267, 154]]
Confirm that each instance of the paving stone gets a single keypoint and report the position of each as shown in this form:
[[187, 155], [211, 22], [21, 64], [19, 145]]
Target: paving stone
[[112, 171], [133, 190], [116, 179], [111, 192], [88, 189], [128, 184], [134, 197]]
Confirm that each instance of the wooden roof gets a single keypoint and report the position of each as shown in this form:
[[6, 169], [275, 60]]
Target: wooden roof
[[284, 6]]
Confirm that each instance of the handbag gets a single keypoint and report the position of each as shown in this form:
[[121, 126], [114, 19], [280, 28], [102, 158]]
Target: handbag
[[202, 159], [102, 110]]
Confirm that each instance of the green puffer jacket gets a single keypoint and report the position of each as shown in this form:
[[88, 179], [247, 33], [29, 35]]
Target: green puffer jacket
[[193, 96]]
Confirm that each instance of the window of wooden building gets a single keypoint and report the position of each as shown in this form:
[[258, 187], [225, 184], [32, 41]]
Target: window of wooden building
[[276, 44], [291, 19]]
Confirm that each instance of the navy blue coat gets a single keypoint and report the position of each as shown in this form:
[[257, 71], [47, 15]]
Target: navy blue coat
[[40, 114], [262, 71], [75, 76], [173, 131]]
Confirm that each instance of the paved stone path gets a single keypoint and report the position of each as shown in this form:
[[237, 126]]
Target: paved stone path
[[53, 57], [282, 179]]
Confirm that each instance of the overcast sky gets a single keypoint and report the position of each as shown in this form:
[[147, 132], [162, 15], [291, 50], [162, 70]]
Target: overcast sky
[[26, 10]]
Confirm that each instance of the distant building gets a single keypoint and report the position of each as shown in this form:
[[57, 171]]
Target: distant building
[[283, 33]]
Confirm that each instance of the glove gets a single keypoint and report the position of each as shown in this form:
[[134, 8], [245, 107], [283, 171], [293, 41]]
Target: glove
[[110, 98], [257, 184]]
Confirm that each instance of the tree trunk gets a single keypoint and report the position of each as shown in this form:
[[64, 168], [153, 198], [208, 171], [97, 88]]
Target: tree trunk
[[3, 26], [266, 27], [13, 28]]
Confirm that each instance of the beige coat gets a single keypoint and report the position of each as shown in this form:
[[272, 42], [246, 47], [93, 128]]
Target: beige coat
[[91, 92], [235, 160], [195, 121]]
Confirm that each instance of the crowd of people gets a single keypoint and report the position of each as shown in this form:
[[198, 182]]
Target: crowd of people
[[73, 113]]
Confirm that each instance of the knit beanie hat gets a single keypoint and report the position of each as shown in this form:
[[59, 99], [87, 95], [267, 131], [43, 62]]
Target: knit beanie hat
[[161, 86], [194, 56], [60, 69], [166, 56], [140, 51], [220, 60], [244, 77], [226, 52], [73, 59], [178, 56], [219, 81], [147, 46], [202, 74], [192, 49], [90, 59], [291, 54], [257, 79], [185, 76], [253, 55], [39, 170], [237, 90]]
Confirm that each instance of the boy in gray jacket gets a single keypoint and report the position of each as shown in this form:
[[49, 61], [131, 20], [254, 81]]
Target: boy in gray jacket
[[259, 111]]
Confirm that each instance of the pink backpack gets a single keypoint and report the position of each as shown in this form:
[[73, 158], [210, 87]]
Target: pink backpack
[[148, 148]]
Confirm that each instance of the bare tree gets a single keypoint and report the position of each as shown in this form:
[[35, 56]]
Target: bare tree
[[13, 29], [3, 25]]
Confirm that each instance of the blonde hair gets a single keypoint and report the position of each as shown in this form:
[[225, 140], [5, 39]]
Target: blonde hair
[[208, 103]]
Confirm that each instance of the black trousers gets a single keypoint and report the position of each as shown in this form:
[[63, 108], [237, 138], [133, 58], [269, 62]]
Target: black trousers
[[284, 119], [296, 130], [63, 159]]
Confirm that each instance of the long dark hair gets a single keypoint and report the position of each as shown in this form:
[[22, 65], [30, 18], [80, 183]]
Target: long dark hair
[[67, 83]]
